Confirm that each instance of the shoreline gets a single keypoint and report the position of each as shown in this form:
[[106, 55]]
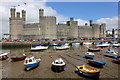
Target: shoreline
[[28, 44]]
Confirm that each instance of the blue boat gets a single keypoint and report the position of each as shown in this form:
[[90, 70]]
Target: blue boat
[[31, 62], [96, 63], [116, 57]]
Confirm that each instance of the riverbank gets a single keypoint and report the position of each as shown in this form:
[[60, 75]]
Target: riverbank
[[28, 44]]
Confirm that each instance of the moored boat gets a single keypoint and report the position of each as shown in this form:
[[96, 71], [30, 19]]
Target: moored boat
[[103, 44], [18, 58], [88, 71], [110, 53], [87, 43], [96, 63], [3, 56], [38, 47], [116, 45], [89, 55], [62, 47], [58, 65], [116, 60], [75, 44], [93, 49], [31, 63]]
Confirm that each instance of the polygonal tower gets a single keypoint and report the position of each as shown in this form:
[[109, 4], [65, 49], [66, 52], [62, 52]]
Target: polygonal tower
[[16, 24]]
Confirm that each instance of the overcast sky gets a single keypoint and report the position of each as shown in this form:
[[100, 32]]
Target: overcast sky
[[105, 12]]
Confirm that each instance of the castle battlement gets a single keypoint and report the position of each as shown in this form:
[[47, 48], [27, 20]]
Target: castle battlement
[[49, 16], [62, 24]]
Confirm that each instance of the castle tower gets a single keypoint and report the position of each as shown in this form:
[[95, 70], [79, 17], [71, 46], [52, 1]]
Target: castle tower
[[24, 15], [18, 15], [91, 22], [16, 24], [41, 14], [73, 25], [12, 10]]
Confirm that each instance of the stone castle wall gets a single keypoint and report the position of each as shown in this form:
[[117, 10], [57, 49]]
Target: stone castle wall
[[48, 29]]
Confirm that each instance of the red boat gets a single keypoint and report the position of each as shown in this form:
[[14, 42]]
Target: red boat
[[3, 56], [18, 58]]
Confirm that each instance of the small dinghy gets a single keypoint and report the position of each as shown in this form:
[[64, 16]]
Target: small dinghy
[[93, 49], [62, 47], [31, 63], [18, 58], [87, 43], [3, 56], [103, 44], [96, 63], [66, 44], [110, 53], [58, 65], [116, 45], [116, 59], [89, 55], [38, 47], [88, 71], [75, 44], [54, 44]]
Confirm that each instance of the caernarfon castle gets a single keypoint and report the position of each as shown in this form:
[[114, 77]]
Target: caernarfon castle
[[47, 28]]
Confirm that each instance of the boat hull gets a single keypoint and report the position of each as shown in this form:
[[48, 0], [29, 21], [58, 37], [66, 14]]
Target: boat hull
[[89, 56], [93, 50], [62, 47], [31, 66], [57, 68], [96, 63], [1, 59], [18, 58], [86, 74]]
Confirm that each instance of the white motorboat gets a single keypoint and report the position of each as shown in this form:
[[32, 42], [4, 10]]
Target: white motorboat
[[66, 44], [89, 55], [31, 62], [58, 65], [110, 53], [116, 45], [103, 44], [3, 56], [75, 44], [87, 43], [38, 47], [62, 47]]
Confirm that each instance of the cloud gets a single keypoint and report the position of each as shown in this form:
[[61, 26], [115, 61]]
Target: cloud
[[32, 12], [82, 22], [110, 22]]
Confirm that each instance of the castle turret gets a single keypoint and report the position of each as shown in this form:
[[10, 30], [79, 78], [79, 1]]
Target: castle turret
[[16, 25], [12, 10], [71, 19], [91, 22], [41, 14], [23, 15], [18, 15]]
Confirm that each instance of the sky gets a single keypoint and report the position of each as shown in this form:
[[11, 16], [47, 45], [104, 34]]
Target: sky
[[99, 12]]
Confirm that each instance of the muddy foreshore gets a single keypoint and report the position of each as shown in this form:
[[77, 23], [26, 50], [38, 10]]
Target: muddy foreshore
[[72, 57]]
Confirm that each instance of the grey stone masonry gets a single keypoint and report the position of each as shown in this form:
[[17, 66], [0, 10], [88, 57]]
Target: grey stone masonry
[[48, 29]]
